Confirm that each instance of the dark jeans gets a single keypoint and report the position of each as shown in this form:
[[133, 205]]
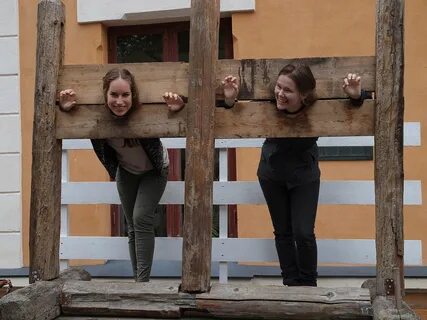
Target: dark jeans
[[293, 214], [140, 195]]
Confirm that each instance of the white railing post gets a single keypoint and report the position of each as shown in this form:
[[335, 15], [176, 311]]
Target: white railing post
[[223, 213], [63, 263]]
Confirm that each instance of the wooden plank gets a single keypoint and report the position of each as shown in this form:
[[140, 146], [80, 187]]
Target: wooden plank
[[257, 77], [96, 122], [124, 299], [46, 165], [254, 119], [197, 226], [223, 301], [325, 118], [346, 192], [411, 137], [274, 302], [389, 147]]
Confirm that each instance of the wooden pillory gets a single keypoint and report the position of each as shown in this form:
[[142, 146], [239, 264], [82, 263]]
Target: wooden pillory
[[201, 123]]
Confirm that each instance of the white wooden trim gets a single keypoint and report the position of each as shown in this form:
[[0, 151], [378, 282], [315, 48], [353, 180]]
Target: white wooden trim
[[352, 251], [64, 232], [10, 133], [223, 213], [9, 56], [9, 95], [10, 138], [412, 137], [11, 250], [239, 192], [147, 11], [8, 18], [10, 173], [10, 212]]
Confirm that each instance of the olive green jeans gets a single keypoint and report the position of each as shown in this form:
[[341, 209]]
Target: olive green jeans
[[140, 194]]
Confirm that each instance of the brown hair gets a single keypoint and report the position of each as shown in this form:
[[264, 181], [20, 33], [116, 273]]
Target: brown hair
[[124, 74], [304, 80]]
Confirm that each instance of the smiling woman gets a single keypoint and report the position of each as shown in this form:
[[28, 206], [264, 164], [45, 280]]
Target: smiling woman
[[139, 166], [118, 94], [165, 43], [295, 88], [289, 173]]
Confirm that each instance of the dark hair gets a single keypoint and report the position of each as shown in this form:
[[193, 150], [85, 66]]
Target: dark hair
[[124, 74], [304, 80]]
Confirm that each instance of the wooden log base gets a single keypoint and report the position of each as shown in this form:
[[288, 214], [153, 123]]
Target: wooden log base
[[163, 300], [39, 300]]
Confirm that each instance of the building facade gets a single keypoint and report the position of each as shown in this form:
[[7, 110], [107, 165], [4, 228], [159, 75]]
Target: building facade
[[260, 29]]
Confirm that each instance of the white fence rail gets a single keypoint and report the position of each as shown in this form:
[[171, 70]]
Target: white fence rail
[[349, 251], [238, 192], [357, 251]]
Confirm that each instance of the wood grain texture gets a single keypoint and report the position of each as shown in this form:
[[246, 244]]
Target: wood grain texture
[[46, 163], [124, 299], [40, 300], [222, 301], [274, 302], [199, 153], [385, 309], [324, 118], [244, 120], [389, 146], [257, 77]]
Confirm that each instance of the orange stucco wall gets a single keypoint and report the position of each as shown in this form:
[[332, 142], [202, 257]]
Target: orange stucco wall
[[84, 44], [304, 28]]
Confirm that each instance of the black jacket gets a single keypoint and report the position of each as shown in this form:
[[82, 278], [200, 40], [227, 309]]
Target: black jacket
[[107, 155], [294, 161]]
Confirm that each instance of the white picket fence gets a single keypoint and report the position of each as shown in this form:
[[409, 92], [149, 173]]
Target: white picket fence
[[224, 250]]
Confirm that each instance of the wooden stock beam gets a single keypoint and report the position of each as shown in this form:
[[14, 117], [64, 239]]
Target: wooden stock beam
[[46, 165], [244, 120], [199, 153], [389, 149], [257, 77]]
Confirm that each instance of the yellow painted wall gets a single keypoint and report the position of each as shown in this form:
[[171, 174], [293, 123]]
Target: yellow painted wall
[[313, 28], [84, 44]]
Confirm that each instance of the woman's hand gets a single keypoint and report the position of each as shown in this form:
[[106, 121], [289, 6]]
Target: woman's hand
[[173, 101], [67, 99], [353, 86], [231, 89]]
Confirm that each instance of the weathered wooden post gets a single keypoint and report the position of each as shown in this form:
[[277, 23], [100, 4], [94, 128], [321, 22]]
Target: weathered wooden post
[[197, 241], [46, 167], [390, 285]]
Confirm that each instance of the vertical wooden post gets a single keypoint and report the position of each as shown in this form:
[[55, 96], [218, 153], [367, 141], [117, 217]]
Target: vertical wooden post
[[389, 148], [46, 166], [197, 241]]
